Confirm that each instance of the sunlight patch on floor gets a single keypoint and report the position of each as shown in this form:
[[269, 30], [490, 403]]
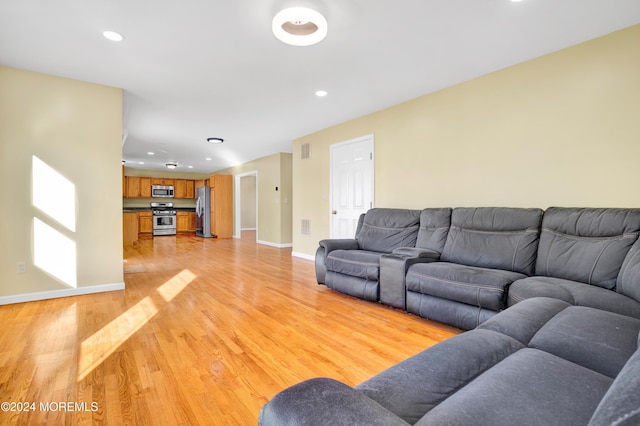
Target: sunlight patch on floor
[[98, 347]]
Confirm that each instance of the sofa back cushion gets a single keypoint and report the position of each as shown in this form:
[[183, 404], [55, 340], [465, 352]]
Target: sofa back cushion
[[628, 282], [586, 244], [384, 230], [434, 227], [494, 237]]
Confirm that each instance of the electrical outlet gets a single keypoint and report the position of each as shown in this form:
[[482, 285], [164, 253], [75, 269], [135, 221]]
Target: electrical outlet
[[22, 267]]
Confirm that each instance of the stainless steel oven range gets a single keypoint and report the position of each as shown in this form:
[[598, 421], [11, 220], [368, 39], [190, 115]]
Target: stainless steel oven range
[[164, 219]]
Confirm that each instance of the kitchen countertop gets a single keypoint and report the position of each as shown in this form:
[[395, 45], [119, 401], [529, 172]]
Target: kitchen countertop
[[148, 209]]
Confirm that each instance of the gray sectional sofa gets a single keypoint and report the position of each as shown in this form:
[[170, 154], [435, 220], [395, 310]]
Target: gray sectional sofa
[[462, 266], [552, 299]]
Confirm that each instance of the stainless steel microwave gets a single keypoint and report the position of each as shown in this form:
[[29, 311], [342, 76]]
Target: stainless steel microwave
[[161, 191]]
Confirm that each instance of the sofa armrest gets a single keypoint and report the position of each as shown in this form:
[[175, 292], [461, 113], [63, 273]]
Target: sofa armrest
[[322, 402], [326, 247], [417, 252], [393, 272], [339, 244]]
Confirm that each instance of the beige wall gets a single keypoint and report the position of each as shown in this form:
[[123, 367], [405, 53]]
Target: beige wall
[[75, 129], [562, 129], [248, 203], [274, 207]]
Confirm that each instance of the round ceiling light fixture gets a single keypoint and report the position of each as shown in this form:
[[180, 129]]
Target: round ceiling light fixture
[[215, 140], [112, 35], [299, 26], [171, 165]]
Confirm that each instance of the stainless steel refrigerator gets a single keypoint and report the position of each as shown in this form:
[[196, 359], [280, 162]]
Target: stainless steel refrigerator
[[203, 212]]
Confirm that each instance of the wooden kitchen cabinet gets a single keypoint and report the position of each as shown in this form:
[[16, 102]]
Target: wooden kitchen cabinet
[[190, 189], [133, 187], [179, 188], [129, 229], [221, 205], [162, 181], [145, 187], [192, 221], [184, 188], [140, 186], [182, 222], [145, 222]]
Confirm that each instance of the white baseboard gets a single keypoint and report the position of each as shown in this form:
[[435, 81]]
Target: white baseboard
[[303, 256], [248, 229], [268, 243], [53, 294]]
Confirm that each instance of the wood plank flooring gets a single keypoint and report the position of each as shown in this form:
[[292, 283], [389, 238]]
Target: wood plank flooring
[[206, 332]]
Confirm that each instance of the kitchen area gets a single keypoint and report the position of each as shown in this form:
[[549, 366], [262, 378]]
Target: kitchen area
[[160, 206]]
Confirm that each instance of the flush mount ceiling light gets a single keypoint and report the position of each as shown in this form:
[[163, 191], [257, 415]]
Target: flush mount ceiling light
[[112, 35], [171, 165], [215, 140], [321, 93], [299, 26]]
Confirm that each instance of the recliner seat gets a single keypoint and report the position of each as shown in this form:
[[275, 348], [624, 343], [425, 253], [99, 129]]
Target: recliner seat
[[353, 266], [486, 249], [587, 257]]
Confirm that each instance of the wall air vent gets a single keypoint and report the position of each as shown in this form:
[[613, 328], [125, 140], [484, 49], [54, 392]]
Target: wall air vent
[[305, 151], [305, 227]]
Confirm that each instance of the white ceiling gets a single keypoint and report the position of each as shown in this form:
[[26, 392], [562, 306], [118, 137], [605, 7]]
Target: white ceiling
[[194, 69]]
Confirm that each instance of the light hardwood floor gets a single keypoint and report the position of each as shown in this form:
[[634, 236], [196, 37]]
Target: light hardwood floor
[[206, 332]]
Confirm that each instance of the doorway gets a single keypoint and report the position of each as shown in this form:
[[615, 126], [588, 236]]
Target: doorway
[[246, 205], [352, 184]]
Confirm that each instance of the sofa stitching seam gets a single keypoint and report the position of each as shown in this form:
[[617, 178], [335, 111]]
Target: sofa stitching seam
[[462, 284]]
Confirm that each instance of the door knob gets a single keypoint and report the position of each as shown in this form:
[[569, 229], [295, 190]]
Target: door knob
[[334, 212]]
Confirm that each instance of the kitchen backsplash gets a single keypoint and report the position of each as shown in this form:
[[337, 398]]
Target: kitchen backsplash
[[145, 202]]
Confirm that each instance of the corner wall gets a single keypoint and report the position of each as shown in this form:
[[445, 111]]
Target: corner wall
[[69, 234], [274, 206], [562, 129]]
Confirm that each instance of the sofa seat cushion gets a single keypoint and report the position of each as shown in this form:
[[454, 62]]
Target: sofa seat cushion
[[573, 292], [467, 284], [528, 387], [599, 340], [355, 263]]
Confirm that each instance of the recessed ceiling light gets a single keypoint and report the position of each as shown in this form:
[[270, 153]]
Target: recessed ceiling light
[[321, 93], [112, 35], [140, 162], [151, 153], [299, 26], [191, 167], [208, 158], [215, 140]]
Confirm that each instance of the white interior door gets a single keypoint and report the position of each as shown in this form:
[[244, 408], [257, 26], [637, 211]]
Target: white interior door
[[351, 184]]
